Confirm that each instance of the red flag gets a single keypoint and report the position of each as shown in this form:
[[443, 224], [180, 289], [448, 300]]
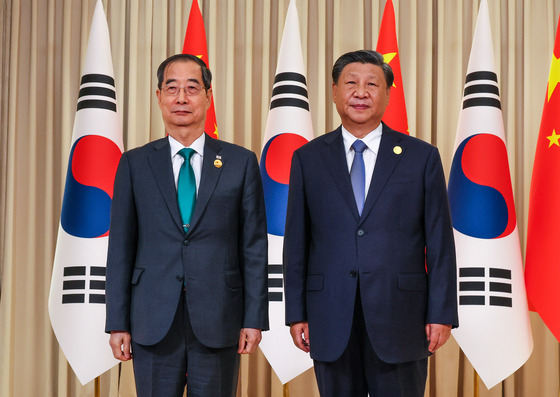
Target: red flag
[[542, 262], [195, 44], [395, 114]]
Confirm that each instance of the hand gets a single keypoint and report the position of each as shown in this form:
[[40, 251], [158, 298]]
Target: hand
[[300, 335], [437, 335], [249, 339], [120, 344]]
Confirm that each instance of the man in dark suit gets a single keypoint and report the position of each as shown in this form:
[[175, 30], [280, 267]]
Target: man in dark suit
[[186, 280], [369, 254]]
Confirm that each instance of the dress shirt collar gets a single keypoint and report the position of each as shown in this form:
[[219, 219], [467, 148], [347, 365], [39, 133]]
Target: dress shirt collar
[[372, 139], [197, 145]]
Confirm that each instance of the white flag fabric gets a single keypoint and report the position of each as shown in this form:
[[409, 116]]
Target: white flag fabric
[[494, 329], [288, 127], [77, 295]]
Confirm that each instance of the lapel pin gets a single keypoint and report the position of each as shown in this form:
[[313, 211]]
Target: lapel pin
[[397, 150], [218, 163]]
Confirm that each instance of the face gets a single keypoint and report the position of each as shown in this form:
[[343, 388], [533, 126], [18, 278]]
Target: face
[[361, 96], [181, 111]]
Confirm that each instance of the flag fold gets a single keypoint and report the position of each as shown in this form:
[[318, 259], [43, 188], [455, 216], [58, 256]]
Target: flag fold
[[542, 266], [77, 294], [494, 329], [195, 44], [288, 127], [395, 113]]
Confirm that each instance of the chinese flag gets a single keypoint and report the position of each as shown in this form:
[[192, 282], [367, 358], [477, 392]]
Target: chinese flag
[[542, 264], [395, 114], [195, 44]]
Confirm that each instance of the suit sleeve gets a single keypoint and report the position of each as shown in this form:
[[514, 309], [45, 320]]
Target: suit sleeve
[[121, 253], [296, 246], [440, 247], [254, 249]]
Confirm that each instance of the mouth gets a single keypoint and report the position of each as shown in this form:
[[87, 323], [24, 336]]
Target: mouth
[[181, 112], [359, 106]]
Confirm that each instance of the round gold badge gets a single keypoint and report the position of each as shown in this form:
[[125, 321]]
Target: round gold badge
[[218, 163], [397, 150]]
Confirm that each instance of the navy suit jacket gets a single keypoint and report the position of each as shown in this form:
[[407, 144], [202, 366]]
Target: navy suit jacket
[[222, 260], [405, 228]]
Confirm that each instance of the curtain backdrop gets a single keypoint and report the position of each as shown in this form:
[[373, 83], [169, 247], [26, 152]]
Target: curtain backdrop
[[43, 45]]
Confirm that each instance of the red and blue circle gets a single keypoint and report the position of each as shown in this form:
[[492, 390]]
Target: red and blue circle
[[275, 166], [86, 206], [480, 193]]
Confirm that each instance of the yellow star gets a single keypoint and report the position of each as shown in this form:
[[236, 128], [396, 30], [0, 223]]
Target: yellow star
[[387, 58], [554, 76], [554, 139]]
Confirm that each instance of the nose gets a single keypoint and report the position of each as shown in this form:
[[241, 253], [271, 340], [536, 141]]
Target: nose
[[181, 96], [361, 91]]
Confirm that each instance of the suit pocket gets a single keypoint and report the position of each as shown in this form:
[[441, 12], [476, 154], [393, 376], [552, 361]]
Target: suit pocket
[[412, 282], [314, 282], [136, 273], [233, 279]]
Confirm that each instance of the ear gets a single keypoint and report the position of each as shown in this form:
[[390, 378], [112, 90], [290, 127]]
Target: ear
[[158, 95], [208, 98], [334, 92]]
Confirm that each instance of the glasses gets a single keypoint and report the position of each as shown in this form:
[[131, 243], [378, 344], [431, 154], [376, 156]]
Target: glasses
[[190, 90]]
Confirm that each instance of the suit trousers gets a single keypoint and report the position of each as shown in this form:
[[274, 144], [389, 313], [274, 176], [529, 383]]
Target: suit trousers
[[360, 371], [179, 359]]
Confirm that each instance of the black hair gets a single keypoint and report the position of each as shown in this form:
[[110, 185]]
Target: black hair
[[363, 56], [206, 73]]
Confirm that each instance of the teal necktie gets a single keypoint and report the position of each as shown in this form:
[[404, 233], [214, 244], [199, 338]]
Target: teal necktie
[[186, 188]]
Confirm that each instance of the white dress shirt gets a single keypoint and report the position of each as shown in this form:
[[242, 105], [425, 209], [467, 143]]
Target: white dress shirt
[[196, 159], [372, 140]]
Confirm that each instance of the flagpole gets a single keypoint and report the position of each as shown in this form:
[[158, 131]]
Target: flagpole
[[476, 391], [286, 389], [96, 391]]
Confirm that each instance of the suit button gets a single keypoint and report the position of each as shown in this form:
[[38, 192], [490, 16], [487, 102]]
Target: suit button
[[186, 242], [179, 277], [361, 232], [353, 273]]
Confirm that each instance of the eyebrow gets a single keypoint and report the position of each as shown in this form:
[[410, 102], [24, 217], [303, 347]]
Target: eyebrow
[[169, 81]]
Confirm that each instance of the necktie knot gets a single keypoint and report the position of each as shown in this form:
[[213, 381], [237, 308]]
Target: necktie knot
[[186, 153], [359, 146]]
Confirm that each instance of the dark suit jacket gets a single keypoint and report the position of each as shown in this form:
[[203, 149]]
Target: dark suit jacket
[[222, 261], [405, 227]]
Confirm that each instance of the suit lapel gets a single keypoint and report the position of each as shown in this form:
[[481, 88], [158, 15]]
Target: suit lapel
[[160, 162], [386, 162], [209, 178], [335, 159]]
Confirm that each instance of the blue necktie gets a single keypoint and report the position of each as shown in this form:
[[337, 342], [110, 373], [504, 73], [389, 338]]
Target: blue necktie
[[186, 188], [358, 174]]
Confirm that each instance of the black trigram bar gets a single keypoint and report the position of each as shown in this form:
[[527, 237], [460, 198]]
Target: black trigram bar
[[96, 298], [472, 300], [482, 87], [98, 271], [293, 92], [98, 87], [74, 271], [73, 298], [73, 284], [471, 272], [275, 282]]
